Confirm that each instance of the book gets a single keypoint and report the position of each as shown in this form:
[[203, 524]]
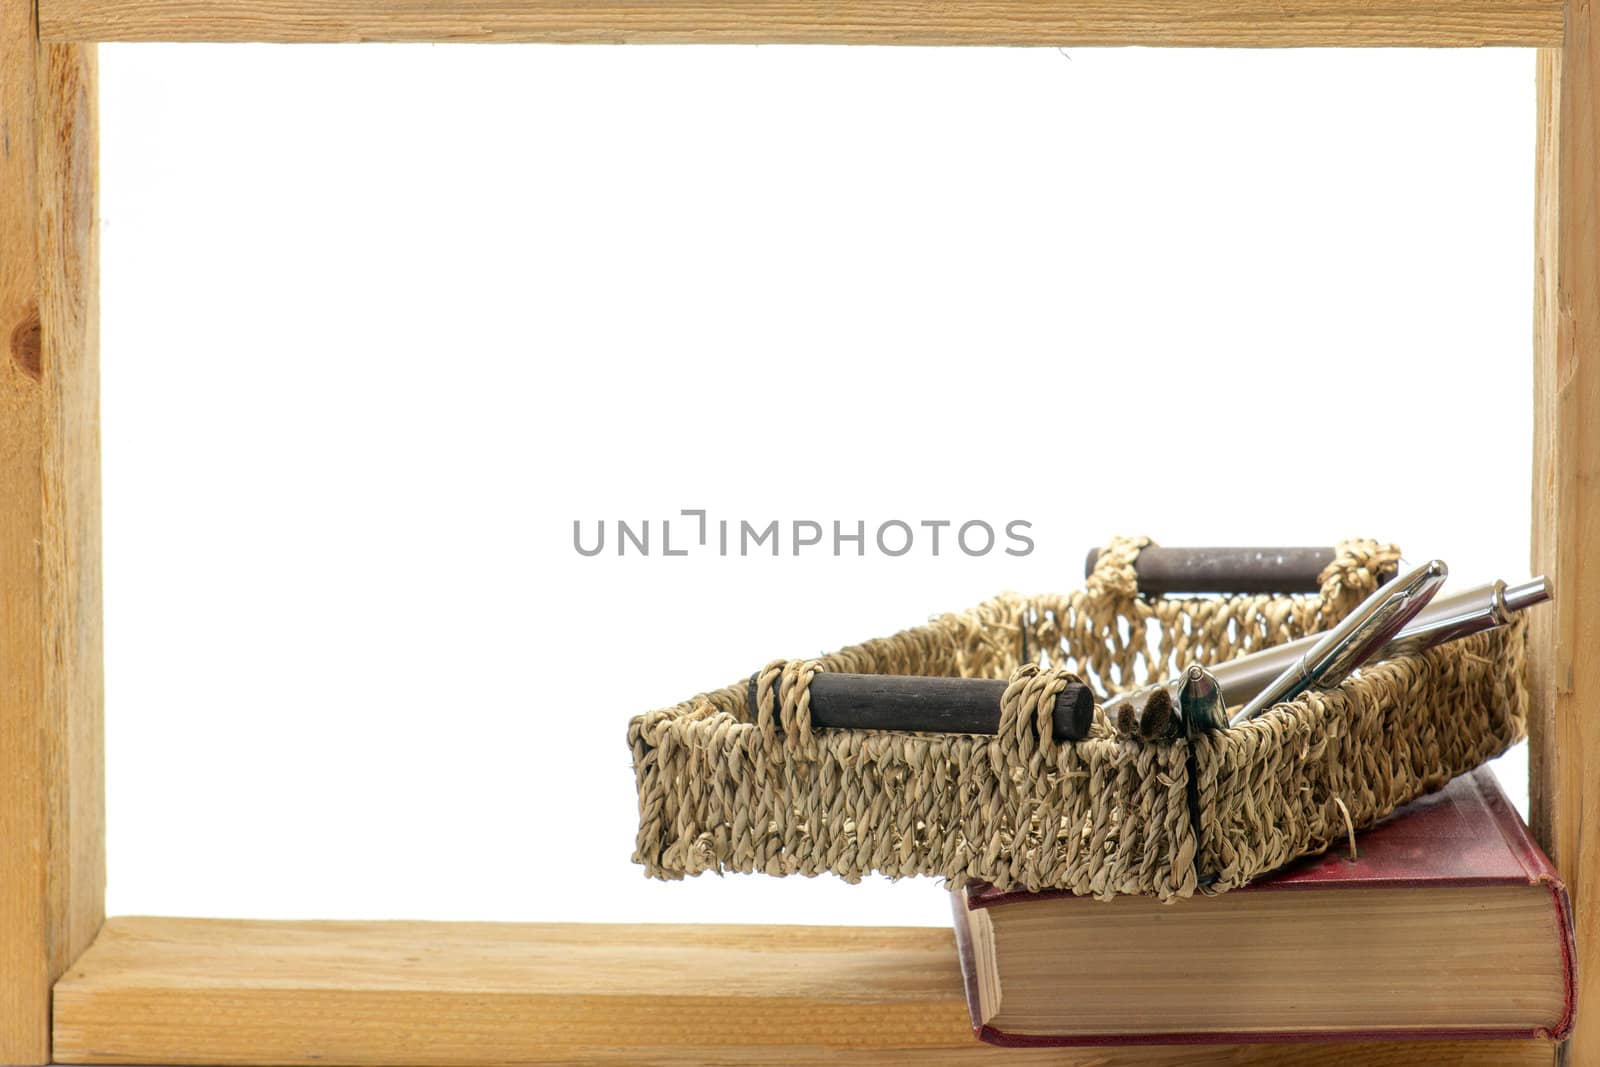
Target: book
[[1450, 923]]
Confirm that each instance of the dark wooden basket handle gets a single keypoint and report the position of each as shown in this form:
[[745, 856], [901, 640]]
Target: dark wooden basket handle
[[1166, 571], [928, 705]]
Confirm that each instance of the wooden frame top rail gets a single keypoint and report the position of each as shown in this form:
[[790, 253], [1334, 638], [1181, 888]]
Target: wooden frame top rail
[[1222, 23]]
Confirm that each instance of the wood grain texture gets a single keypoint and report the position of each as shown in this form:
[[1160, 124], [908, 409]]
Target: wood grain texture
[[1563, 728], [195, 991], [1273, 23], [52, 867]]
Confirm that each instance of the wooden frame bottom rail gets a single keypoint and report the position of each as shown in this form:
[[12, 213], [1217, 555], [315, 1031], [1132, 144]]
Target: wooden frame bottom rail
[[205, 991]]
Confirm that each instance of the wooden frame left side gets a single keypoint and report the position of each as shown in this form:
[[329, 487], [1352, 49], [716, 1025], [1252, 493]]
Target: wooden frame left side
[[52, 795]]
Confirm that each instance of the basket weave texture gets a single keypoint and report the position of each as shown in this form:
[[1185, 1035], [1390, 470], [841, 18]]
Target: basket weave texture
[[726, 787]]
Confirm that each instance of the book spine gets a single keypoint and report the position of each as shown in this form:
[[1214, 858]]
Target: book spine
[[961, 911]]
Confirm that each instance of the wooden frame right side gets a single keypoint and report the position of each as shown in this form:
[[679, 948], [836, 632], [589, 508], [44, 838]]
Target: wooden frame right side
[[1564, 790]]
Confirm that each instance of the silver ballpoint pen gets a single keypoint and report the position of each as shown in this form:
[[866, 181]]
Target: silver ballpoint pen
[[1482, 607], [1354, 641], [1446, 618]]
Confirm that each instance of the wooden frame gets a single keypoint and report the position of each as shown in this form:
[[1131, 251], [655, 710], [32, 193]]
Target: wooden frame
[[74, 988], [973, 22], [52, 839]]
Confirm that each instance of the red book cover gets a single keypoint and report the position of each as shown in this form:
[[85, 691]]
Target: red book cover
[[1467, 834]]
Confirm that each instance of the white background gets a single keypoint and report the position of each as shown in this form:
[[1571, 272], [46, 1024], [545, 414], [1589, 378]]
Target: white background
[[381, 322]]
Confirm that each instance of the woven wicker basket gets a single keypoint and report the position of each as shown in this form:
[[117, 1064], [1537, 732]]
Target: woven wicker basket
[[724, 787]]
